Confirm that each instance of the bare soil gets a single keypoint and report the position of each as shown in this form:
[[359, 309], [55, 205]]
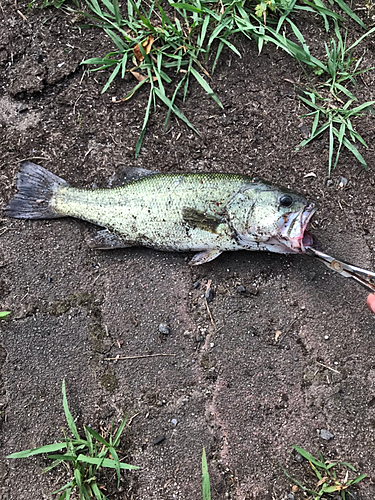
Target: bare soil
[[229, 386]]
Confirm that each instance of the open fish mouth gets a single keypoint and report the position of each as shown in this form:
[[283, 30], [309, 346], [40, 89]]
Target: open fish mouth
[[293, 230]]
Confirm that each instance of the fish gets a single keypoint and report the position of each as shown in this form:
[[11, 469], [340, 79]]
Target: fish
[[206, 213]]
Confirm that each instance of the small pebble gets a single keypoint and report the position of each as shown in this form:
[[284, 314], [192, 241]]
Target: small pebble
[[326, 337], [298, 457], [329, 183], [159, 440], [164, 329], [209, 295], [174, 421], [290, 496], [343, 182], [240, 289], [326, 435]]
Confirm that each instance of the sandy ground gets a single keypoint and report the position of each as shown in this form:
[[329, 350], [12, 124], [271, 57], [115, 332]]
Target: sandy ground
[[228, 381]]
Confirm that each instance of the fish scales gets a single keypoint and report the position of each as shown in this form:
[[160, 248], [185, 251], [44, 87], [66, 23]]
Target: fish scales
[[208, 213], [150, 211]]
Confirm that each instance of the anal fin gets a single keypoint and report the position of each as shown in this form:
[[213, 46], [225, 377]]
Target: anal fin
[[204, 257], [105, 240]]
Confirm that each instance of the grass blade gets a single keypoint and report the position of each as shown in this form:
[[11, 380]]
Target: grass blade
[[205, 86], [308, 456], [4, 314], [118, 16], [112, 451], [175, 109], [97, 436], [37, 451], [119, 432], [206, 490], [112, 77], [105, 462], [68, 415], [331, 141], [145, 120], [350, 13], [186, 6], [359, 478], [96, 491]]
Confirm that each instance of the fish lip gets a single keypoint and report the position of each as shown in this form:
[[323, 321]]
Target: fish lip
[[293, 230]]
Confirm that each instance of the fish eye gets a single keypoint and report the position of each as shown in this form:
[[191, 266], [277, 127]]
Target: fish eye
[[286, 200]]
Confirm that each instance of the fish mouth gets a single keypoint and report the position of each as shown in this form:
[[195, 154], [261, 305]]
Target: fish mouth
[[293, 229]]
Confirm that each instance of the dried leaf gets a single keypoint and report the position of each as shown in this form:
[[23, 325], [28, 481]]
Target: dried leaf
[[322, 481], [146, 46], [138, 76]]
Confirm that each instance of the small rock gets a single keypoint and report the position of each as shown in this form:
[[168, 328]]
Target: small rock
[[241, 289], [174, 421], [252, 290], [252, 331], [326, 435], [290, 496], [22, 108], [329, 183], [298, 457], [196, 284], [312, 275], [164, 329], [343, 182], [209, 295], [326, 337], [304, 131], [159, 440]]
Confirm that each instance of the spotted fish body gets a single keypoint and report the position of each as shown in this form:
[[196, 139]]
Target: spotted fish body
[[207, 213]]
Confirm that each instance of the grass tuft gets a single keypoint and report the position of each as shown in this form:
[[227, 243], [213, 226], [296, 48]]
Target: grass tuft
[[332, 478], [84, 457], [165, 47]]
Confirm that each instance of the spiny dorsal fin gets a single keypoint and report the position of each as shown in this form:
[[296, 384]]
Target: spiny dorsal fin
[[124, 174]]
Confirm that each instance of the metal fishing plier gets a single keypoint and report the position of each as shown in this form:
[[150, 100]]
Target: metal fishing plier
[[346, 270]]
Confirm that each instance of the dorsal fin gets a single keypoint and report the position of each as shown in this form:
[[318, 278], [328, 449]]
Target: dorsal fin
[[125, 174]]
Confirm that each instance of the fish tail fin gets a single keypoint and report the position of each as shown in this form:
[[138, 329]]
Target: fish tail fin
[[36, 186]]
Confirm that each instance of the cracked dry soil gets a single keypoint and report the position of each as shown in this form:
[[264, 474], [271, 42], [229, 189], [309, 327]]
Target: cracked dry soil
[[231, 387]]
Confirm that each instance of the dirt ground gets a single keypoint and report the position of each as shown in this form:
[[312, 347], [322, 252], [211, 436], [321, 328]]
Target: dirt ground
[[231, 387]]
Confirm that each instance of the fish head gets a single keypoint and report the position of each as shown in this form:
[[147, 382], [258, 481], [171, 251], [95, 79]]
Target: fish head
[[293, 223], [276, 220]]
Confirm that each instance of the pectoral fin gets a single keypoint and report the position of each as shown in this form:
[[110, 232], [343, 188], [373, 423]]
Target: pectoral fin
[[201, 220], [203, 257], [105, 240]]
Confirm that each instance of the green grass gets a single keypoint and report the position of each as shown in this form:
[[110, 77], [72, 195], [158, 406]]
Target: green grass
[[85, 456], [166, 46], [206, 489], [332, 478], [333, 103], [4, 314]]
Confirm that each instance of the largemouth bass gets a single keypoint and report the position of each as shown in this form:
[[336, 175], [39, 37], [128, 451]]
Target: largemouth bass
[[205, 213]]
